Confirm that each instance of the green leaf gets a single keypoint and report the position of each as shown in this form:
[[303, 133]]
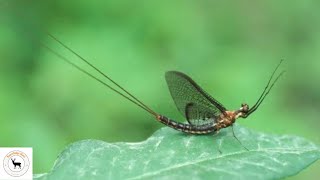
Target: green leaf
[[169, 154]]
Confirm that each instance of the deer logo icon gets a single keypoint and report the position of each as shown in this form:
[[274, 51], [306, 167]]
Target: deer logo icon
[[16, 163]]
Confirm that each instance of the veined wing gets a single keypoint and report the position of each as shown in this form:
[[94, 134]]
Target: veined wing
[[191, 100], [197, 114]]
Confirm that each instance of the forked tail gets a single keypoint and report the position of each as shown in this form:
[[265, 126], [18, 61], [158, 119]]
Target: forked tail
[[118, 89], [121, 91]]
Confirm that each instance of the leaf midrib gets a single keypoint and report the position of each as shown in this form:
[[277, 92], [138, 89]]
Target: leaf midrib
[[280, 150]]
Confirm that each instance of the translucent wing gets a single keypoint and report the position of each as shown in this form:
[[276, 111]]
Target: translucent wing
[[197, 114], [191, 100]]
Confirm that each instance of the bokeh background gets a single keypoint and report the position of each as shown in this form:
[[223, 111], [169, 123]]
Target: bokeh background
[[229, 47]]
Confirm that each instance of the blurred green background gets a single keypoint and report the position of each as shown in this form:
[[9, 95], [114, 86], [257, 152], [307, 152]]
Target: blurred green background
[[229, 48]]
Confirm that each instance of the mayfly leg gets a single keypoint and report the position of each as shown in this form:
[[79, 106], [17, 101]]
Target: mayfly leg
[[234, 135]]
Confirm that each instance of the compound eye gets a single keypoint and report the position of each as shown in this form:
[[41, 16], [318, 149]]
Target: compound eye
[[245, 107]]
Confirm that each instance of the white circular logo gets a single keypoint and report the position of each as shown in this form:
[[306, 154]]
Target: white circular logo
[[16, 163]]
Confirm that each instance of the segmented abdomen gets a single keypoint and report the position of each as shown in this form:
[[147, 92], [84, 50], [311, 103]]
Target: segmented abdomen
[[187, 128]]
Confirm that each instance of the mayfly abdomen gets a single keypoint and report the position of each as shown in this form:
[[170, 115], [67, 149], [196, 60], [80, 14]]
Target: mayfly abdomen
[[187, 128]]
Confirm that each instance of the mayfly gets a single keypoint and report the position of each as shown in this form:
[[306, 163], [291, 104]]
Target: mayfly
[[203, 113]]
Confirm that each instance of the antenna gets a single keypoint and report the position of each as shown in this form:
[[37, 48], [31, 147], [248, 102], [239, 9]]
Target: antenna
[[266, 90]]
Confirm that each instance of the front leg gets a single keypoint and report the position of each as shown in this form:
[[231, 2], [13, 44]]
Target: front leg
[[234, 135]]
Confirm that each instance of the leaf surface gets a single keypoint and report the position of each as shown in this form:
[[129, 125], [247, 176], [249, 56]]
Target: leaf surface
[[169, 154]]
